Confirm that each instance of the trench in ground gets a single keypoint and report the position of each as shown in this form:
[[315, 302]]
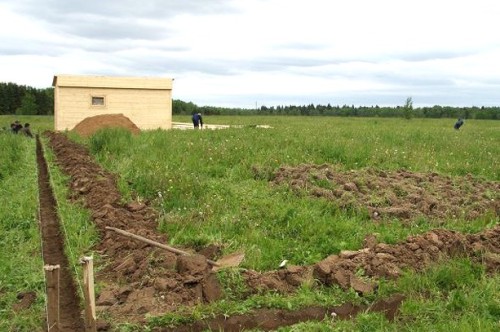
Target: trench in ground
[[53, 248]]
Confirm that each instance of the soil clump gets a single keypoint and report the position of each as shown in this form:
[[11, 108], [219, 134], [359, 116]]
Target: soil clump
[[400, 194], [361, 269]]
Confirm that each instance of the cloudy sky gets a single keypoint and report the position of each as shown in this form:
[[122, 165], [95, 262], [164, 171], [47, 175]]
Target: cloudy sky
[[243, 53]]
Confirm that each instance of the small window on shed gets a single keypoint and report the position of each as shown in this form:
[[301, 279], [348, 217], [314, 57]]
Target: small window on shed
[[97, 101]]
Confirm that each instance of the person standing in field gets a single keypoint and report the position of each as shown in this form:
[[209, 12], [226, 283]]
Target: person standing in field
[[197, 121], [458, 124], [26, 130], [16, 127]]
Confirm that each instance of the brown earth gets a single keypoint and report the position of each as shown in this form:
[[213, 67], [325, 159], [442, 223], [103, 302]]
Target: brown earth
[[90, 125], [272, 319], [401, 194], [138, 279], [361, 269], [26, 299]]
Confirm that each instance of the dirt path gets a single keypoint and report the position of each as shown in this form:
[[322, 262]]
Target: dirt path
[[53, 248]]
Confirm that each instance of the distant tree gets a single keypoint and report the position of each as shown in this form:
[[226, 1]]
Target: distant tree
[[44, 100], [10, 97], [28, 105], [408, 108], [181, 107]]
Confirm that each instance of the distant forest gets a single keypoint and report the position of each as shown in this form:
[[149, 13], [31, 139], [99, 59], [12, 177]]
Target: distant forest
[[25, 100], [407, 111]]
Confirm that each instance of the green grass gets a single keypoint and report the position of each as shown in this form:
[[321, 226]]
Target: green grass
[[38, 123], [21, 264], [212, 187], [235, 303], [456, 295]]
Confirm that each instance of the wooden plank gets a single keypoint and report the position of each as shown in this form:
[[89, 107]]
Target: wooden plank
[[154, 243], [52, 289], [89, 294]]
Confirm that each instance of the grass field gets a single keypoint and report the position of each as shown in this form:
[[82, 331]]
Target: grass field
[[21, 264], [212, 187]]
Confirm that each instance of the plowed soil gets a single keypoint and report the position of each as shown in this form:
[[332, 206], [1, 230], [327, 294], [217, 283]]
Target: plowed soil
[[139, 279], [401, 194]]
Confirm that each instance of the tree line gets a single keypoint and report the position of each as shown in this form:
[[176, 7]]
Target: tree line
[[25, 100], [406, 111]]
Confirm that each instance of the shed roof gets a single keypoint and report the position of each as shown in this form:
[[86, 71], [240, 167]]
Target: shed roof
[[119, 82]]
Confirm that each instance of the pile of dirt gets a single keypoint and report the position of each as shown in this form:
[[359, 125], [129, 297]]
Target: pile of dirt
[[361, 269], [89, 126], [140, 279], [401, 194]]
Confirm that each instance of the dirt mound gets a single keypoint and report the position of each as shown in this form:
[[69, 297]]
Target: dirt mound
[[89, 126], [361, 269], [401, 194]]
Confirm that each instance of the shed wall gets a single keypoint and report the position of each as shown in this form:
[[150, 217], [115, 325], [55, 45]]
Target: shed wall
[[149, 106]]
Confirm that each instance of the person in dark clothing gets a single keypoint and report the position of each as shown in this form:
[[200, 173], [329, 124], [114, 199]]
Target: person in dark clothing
[[26, 130], [197, 121], [458, 124], [16, 126]]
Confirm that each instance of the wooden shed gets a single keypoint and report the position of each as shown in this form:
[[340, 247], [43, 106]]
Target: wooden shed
[[146, 101]]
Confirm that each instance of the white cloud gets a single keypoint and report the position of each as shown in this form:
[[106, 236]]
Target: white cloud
[[238, 53]]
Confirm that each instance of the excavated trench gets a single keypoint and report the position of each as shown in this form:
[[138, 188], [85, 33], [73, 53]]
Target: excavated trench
[[272, 319], [53, 249]]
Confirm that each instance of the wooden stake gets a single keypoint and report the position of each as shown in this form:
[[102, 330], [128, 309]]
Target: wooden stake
[[89, 294], [154, 243], [52, 281]]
